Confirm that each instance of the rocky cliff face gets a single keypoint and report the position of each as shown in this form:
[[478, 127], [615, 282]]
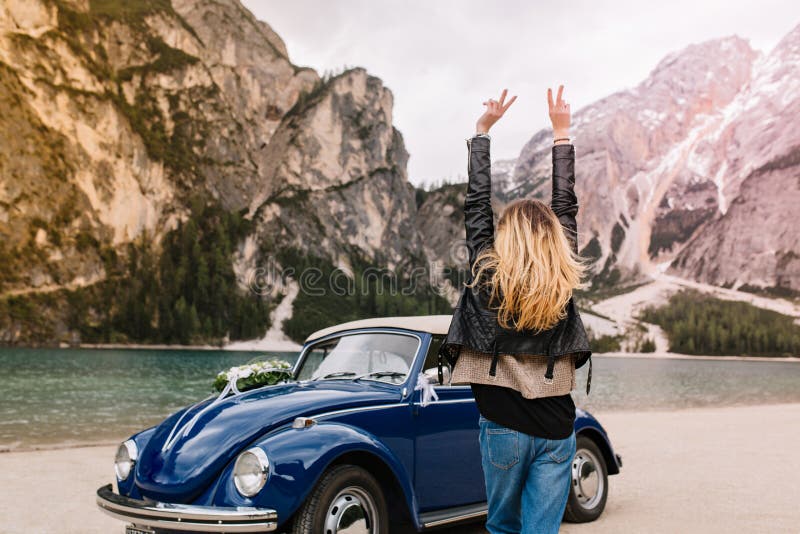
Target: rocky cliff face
[[753, 239], [641, 191], [692, 171], [127, 109], [338, 177], [156, 155], [119, 116]]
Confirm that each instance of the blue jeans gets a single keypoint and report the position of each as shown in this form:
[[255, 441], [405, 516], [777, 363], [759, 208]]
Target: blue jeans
[[527, 479]]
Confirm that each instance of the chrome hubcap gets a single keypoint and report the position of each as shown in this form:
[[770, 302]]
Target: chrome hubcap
[[352, 511], [587, 480]]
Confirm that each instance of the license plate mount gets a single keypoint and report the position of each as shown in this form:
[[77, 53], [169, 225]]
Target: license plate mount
[[131, 529]]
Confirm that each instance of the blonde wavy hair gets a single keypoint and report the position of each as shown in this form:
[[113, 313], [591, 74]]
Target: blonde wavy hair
[[531, 269]]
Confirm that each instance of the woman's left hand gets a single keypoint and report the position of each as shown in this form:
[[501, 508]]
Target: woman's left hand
[[494, 111]]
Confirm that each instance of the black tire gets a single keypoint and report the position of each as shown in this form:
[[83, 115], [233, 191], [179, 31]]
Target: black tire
[[360, 484], [584, 506]]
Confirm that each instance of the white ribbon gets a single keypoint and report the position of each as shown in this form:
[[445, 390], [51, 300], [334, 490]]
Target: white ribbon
[[428, 391], [234, 374]]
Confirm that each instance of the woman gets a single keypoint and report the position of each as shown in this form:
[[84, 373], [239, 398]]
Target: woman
[[516, 336]]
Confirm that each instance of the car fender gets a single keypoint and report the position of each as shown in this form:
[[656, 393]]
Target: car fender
[[590, 427], [127, 487], [299, 456]]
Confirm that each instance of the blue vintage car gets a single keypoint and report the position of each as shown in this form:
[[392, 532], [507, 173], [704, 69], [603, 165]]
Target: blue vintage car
[[348, 444]]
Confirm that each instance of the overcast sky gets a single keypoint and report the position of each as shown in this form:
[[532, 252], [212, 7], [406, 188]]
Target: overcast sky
[[441, 59]]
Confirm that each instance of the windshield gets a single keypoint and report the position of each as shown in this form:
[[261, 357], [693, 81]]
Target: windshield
[[372, 356]]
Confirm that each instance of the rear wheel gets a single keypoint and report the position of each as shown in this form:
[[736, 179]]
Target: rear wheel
[[589, 485], [347, 500]]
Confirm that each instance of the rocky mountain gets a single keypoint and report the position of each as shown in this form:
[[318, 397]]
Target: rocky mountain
[[753, 240], [155, 156], [640, 193], [167, 175], [694, 170]]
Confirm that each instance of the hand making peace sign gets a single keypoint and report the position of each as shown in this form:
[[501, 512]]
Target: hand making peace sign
[[559, 115], [494, 110]]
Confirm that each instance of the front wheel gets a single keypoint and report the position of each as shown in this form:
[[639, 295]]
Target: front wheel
[[347, 499], [589, 484]]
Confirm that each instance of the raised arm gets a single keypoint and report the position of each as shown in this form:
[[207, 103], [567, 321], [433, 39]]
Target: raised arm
[[564, 202], [478, 216]]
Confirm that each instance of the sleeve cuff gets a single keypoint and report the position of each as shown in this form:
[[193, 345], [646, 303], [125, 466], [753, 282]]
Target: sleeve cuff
[[563, 151], [479, 143]]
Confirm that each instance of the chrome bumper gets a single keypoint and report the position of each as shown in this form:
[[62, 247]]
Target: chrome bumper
[[185, 516]]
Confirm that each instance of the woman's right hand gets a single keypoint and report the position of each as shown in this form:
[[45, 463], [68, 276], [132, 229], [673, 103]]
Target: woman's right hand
[[559, 115], [494, 111]]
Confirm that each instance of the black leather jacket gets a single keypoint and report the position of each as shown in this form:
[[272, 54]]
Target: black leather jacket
[[475, 325]]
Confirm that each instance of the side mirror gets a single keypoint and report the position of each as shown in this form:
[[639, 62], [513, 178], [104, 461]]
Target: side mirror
[[432, 375]]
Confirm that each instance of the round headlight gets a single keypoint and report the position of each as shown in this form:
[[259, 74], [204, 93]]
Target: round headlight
[[250, 471], [127, 453]]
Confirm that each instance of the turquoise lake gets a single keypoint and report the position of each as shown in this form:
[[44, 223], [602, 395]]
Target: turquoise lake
[[73, 396]]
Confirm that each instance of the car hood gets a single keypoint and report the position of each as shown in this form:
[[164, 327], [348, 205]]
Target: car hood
[[183, 470]]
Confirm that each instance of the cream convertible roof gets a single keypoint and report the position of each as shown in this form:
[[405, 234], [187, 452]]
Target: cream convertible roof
[[432, 324]]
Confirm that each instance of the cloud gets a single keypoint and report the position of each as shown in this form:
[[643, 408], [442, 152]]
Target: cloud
[[442, 59]]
